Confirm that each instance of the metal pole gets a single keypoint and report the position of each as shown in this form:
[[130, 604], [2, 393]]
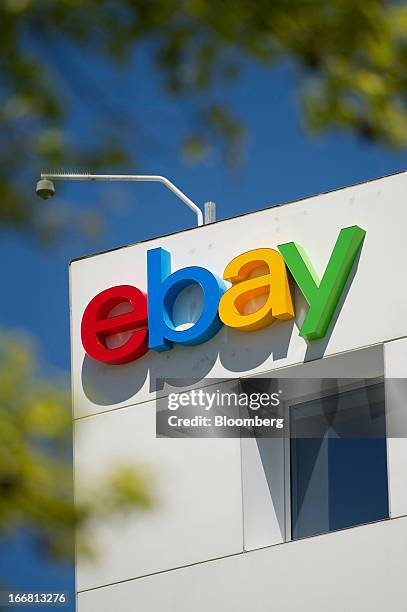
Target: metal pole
[[210, 212], [60, 176]]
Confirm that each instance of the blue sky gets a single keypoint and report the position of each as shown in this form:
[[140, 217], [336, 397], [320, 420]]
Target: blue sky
[[281, 163]]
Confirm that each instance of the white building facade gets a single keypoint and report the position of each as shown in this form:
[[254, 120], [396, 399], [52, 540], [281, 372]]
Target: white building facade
[[241, 523]]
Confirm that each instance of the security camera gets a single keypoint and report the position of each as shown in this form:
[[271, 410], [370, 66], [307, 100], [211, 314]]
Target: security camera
[[45, 189]]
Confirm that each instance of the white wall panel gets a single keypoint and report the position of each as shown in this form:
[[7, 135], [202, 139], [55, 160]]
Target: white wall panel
[[395, 363], [197, 482], [361, 569], [263, 492]]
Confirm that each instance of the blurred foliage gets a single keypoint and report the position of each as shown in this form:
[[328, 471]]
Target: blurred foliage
[[36, 490], [351, 59]]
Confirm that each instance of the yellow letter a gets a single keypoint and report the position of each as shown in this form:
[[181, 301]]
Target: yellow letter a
[[246, 286]]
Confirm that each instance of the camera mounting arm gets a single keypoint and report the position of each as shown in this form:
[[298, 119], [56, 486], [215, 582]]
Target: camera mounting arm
[[45, 187]]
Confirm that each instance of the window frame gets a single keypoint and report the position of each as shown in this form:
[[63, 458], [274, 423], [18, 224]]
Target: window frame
[[288, 406]]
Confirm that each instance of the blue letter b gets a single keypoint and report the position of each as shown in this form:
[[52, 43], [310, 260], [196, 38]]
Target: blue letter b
[[163, 288]]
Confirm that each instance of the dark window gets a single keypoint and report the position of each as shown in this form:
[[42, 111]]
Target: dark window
[[338, 461]]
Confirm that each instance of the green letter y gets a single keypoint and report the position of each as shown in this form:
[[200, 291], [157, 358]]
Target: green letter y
[[323, 296]]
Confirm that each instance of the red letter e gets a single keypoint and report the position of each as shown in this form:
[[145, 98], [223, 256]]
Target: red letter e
[[97, 325]]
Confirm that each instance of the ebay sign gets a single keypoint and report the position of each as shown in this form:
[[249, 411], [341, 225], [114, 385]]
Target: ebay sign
[[149, 319]]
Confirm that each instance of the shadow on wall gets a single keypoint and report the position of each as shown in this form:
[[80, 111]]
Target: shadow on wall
[[238, 352], [108, 384]]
